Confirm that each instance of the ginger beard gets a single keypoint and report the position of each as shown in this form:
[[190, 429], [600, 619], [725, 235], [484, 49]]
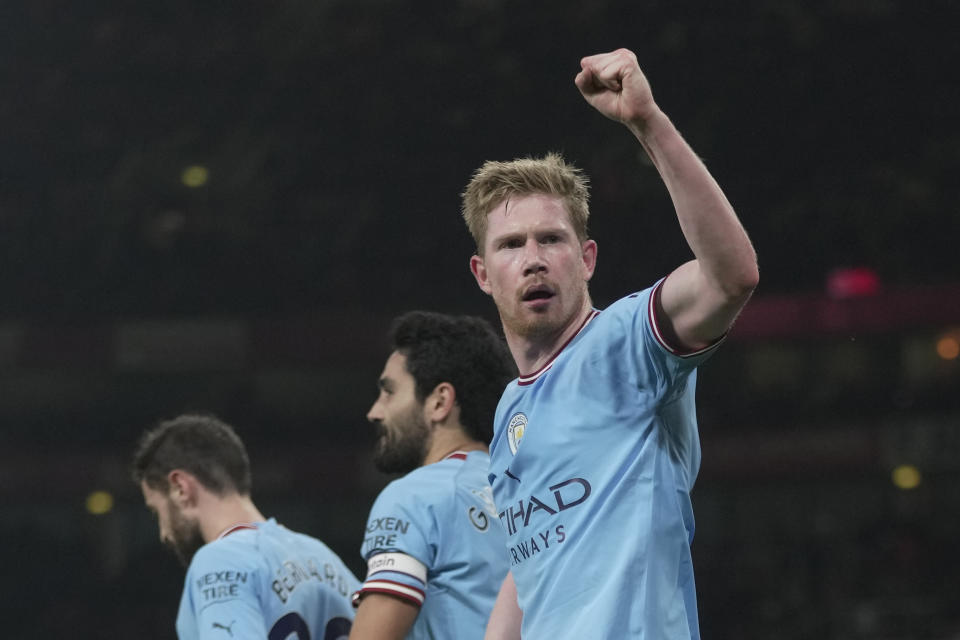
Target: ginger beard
[[524, 317]]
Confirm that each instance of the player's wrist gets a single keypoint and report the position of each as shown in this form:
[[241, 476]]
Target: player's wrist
[[649, 123]]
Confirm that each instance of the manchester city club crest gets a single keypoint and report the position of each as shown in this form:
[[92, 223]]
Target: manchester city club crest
[[515, 430]]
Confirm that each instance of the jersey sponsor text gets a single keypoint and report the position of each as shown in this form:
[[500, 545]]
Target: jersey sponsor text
[[528, 547], [566, 495], [389, 527], [216, 585]]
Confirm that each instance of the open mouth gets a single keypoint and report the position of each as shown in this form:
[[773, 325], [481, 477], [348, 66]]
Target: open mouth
[[539, 292]]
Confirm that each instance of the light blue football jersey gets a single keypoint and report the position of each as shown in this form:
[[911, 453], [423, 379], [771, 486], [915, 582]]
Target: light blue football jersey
[[433, 540], [592, 463], [261, 581]]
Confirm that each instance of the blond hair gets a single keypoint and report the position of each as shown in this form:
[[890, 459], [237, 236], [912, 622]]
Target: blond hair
[[550, 175]]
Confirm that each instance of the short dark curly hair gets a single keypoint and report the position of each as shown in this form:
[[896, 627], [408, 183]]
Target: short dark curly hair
[[201, 444], [464, 351]]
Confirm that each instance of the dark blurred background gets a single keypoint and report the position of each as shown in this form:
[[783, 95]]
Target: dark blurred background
[[220, 205]]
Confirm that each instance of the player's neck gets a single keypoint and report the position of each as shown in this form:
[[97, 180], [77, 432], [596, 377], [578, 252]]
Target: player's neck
[[446, 444], [224, 513], [531, 353]]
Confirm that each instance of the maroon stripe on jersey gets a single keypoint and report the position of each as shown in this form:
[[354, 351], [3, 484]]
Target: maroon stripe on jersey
[[399, 592], [364, 587], [236, 528], [389, 592], [677, 351], [531, 378]]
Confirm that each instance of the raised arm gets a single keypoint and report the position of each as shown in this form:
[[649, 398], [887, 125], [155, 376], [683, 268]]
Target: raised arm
[[700, 300]]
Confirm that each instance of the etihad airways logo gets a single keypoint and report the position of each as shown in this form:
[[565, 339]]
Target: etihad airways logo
[[565, 495]]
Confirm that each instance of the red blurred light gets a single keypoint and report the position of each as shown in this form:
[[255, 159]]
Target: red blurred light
[[854, 282]]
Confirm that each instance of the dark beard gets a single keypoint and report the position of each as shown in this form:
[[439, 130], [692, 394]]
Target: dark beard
[[186, 538], [402, 449]]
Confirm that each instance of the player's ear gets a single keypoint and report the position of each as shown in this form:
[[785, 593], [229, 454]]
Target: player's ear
[[440, 402], [588, 252], [183, 487], [479, 271]]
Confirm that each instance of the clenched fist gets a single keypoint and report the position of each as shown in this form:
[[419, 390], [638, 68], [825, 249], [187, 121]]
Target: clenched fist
[[614, 85]]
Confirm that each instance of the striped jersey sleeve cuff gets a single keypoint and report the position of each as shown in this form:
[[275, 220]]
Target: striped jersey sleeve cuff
[[658, 334], [396, 574]]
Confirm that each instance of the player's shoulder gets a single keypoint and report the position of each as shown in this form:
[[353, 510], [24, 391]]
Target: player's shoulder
[[304, 542], [271, 535], [428, 476], [237, 552], [425, 486], [628, 304], [621, 318]]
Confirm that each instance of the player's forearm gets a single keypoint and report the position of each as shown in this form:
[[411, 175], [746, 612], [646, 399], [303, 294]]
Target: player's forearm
[[506, 617], [383, 617], [724, 253]]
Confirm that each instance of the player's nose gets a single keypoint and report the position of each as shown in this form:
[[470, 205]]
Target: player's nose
[[533, 260]]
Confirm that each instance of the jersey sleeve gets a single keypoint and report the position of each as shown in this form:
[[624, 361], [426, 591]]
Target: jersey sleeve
[[663, 373], [688, 358], [659, 365], [400, 541], [220, 596]]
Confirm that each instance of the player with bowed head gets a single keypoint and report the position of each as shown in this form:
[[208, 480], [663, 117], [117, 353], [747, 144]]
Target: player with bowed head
[[595, 446], [247, 576]]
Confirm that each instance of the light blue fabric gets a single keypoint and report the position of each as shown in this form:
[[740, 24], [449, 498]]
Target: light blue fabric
[[267, 582], [596, 499], [442, 515]]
